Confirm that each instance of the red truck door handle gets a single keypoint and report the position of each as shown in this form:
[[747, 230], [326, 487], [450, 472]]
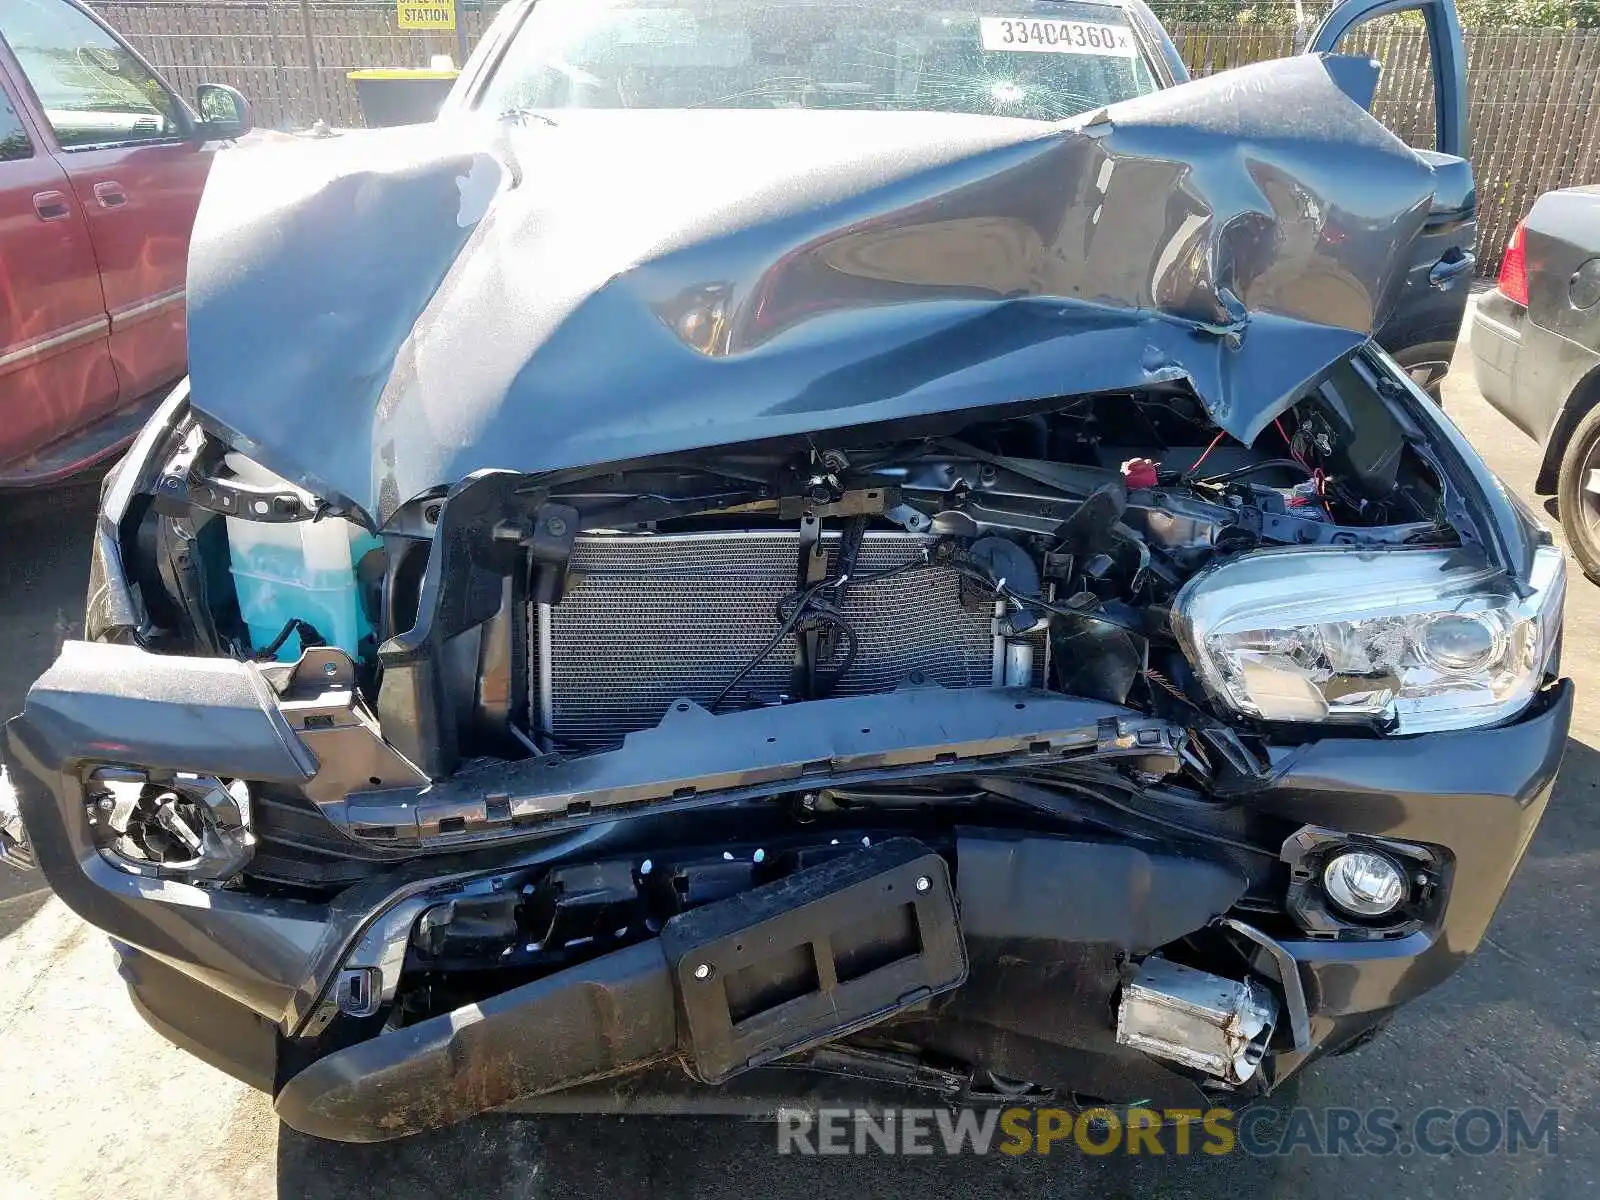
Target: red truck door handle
[[50, 206], [110, 194]]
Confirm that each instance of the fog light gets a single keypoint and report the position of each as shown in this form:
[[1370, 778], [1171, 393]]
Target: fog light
[[1363, 883], [191, 827]]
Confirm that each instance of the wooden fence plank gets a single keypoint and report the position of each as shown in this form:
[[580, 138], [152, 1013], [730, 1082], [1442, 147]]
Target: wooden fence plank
[[1513, 130], [1585, 166], [1558, 82]]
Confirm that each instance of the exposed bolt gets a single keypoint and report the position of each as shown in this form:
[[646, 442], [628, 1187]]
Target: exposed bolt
[[555, 526], [106, 803], [703, 972], [431, 514], [923, 883], [987, 473], [330, 668]]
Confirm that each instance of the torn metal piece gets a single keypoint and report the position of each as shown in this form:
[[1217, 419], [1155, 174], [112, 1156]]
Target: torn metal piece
[[1216, 1025], [1294, 994]]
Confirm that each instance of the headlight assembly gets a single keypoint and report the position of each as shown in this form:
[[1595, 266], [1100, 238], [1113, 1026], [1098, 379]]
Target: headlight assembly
[[1416, 640]]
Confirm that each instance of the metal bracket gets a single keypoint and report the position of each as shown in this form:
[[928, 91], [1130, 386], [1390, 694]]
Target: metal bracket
[[319, 701], [811, 568], [549, 545], [860, 502], [476, 545], [183, 485], [1294, 995]]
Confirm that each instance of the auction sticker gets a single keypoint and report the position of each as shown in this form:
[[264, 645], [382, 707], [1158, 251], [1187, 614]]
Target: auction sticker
[[1056, 37]]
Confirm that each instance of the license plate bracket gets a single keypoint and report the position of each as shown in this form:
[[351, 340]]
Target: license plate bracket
[[813, 956]]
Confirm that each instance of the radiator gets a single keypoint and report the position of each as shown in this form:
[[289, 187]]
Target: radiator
[[647, 619]]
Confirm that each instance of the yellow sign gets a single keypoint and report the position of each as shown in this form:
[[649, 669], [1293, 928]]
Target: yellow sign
[[426, 14]]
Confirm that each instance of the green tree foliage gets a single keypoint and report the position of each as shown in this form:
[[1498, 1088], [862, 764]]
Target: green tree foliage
[[1559, 14], [1546, 14]]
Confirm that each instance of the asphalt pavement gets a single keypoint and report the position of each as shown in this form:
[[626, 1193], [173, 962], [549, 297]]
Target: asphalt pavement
[[92, 1103]]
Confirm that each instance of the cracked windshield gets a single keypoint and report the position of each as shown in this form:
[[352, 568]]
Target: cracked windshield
[[1043, 61]]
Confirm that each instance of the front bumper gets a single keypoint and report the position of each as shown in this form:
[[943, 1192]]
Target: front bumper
[[239, 976]]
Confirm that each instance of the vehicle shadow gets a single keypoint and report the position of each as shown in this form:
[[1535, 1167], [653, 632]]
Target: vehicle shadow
[[20, 897], [624, 1157], [44, 570], [1571, 822], [556, 1158]]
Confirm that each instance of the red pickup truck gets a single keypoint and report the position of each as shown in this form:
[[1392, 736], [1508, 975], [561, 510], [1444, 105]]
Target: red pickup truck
[[101, 170]]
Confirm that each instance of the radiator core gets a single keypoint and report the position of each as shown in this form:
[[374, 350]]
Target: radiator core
[[648, 619]]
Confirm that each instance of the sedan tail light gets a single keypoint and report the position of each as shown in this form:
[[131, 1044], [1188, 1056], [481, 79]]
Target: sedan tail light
[[1513, 279]]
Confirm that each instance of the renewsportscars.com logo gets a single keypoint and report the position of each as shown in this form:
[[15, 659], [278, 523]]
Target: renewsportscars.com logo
[[1258, 1132]]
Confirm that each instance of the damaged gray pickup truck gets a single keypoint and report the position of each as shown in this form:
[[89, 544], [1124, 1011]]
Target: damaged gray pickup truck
[[659, 603]]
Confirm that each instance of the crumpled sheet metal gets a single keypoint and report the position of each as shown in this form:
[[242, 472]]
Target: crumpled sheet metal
[[385, 313]]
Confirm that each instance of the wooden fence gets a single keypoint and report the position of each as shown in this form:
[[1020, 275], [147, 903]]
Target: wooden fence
[[1534, 94], [290, 57]]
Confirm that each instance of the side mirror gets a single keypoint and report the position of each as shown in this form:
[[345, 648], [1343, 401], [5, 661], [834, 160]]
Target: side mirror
[[224, 113]]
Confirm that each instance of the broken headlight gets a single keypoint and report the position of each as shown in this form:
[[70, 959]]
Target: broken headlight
[[1417, 639]]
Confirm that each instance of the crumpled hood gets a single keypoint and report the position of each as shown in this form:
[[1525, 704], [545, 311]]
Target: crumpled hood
[[384, 313]]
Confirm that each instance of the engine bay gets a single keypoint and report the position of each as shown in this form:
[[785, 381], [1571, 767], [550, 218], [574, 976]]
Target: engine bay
[[1042, 549], [1041, 546]]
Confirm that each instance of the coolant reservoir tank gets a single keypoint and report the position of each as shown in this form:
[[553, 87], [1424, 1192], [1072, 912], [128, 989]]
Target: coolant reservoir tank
[[300, 569]]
